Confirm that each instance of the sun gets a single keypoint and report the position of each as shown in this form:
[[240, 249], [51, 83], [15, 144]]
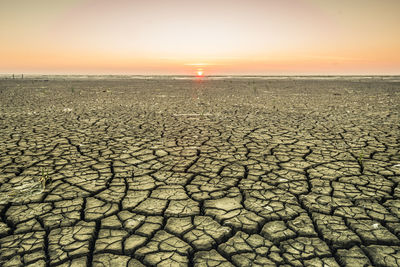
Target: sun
[[200, 73]]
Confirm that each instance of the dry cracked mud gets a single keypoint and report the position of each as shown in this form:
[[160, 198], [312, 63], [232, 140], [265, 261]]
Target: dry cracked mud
[[212, 172]]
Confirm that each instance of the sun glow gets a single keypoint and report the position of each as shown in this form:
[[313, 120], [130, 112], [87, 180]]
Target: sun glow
[[200, 73]]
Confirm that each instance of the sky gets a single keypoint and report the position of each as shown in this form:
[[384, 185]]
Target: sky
[[217, 37]]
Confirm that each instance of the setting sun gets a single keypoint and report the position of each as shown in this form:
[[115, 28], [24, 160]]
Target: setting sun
[[199, 73]]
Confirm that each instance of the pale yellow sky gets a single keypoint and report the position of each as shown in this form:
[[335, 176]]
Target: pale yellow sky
[[221, 37]]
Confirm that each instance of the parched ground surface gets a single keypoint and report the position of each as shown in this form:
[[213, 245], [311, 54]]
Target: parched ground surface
[[234, 172]]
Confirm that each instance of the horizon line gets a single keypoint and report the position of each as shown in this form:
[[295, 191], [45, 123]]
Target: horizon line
[[17, 75]]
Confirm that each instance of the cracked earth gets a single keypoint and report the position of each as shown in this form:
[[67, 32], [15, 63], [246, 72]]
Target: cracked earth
[[234, 172]]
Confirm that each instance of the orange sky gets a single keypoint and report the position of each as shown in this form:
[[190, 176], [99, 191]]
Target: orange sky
[[263, 37]]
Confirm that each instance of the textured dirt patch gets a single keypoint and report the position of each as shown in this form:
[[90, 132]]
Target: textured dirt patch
[[212, 172]]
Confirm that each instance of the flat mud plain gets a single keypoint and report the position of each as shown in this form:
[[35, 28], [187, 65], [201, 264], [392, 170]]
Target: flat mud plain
[[203, 172]]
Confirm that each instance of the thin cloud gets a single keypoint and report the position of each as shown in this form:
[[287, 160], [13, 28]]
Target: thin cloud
[[200, 64]]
